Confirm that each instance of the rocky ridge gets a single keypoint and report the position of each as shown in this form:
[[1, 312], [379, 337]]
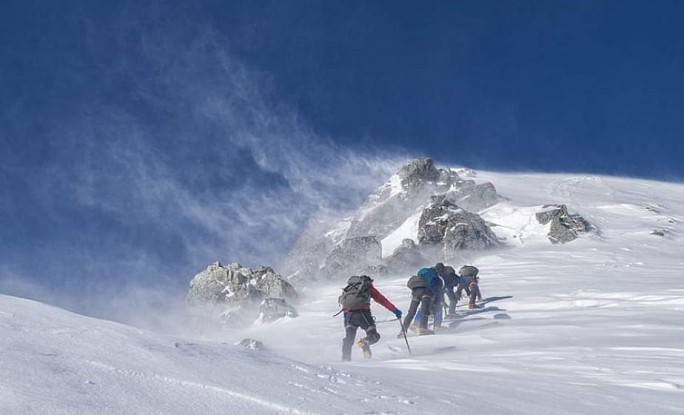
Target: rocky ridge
[[565, 227], [232, 295], [332, 249]]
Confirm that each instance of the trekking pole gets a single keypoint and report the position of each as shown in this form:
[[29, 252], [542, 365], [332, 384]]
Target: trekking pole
[[403, 331]]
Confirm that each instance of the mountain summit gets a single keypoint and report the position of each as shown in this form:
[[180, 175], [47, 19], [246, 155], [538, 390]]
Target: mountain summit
[[434, 207]]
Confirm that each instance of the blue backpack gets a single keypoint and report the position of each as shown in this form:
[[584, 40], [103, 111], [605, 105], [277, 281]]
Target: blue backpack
[[429, 275]]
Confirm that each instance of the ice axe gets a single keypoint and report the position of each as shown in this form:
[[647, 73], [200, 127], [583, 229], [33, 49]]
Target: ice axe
[[403, 331]]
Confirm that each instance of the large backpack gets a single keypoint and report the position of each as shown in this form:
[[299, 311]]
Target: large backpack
[[416, 281], [469, 274], [357, 292], [429, 274], [468, 271]]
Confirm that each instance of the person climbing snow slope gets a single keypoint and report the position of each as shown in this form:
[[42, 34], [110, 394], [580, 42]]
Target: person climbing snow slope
[[469, 282], [425, 286], [451, 280], [355, 302]]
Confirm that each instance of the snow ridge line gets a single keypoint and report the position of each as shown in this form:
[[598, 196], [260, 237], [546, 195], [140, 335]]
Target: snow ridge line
[[197, 385]]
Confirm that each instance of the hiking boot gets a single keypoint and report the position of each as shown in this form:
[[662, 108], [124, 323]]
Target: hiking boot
[[414, 328], [363, 344], [474, 306], [424, 332]]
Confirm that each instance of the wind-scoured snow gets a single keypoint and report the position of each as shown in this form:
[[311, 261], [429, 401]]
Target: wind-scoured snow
[[593, 326], [408, 230], [516, 225]]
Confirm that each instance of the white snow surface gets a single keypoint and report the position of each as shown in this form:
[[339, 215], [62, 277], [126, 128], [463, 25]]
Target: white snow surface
[[407, 230], [594, 326]]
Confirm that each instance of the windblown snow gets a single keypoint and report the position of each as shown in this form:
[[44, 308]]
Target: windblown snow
[[592, 326]]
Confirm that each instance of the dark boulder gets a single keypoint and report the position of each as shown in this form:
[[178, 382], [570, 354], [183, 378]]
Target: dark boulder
[[445, 224], [565, 227], [230, 295], [251, 344]]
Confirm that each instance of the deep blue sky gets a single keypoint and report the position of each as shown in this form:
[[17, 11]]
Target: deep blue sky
[[140, 141], [564, 85]]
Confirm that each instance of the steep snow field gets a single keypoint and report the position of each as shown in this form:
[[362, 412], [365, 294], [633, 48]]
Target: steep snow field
[[593, 326]]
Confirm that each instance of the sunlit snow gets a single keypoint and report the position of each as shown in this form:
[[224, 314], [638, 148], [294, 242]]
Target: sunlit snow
[[593, 326]]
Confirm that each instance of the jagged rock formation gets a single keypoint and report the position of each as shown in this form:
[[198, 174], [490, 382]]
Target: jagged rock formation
[[330, 248], [386, 208], [444, 223], [231, 295], [564, 226]]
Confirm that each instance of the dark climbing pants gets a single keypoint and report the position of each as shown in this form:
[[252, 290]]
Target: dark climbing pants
[[354, 319], [474, 293], [423, 297]]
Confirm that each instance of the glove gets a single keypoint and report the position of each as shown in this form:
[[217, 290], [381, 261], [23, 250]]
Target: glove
[[397, 313]]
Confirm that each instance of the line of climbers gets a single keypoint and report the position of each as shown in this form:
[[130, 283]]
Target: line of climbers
[[428, 287]]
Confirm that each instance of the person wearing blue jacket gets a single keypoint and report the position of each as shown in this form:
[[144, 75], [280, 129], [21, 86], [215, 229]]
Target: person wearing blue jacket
[[425, 287], [451, 282], [438, 297]]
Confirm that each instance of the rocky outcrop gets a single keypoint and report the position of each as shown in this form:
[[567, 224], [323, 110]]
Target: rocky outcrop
[[444, 223], [389, 206], [230, 295], [358, 255], [251, 344], [323, 250], [565, 227], [420, 172]]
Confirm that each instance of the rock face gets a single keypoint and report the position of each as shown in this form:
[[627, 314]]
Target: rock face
[[419, 172], [444, 223], [231, 295], [353, 256], [388, 206], [564, 226]]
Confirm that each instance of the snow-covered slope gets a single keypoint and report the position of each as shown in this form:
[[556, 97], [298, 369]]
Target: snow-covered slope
[[592, 326], [56, 362]]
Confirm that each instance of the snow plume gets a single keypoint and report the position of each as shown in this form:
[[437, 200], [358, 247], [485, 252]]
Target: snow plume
[[173, 154]]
